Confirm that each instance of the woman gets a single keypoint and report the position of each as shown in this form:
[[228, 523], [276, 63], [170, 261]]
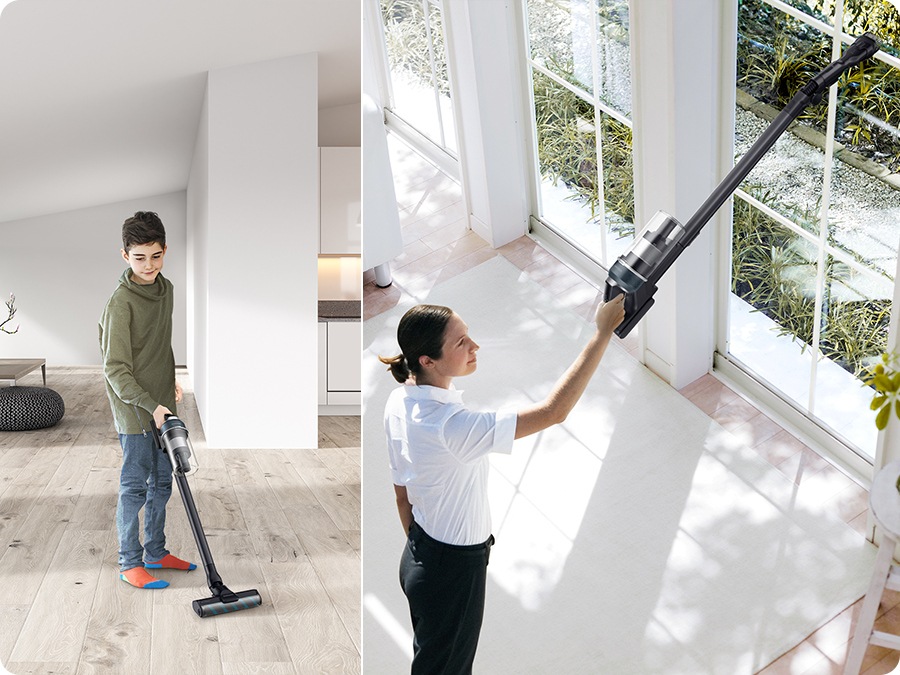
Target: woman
[[438, 453]]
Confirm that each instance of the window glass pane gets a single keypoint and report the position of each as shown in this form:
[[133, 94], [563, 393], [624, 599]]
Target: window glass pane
[[778, 54], [864, 211], [560, 36], [618, 185], [772, 311], [823, 10], [878, 16], [856, 310], [567, 158], [613, 55]]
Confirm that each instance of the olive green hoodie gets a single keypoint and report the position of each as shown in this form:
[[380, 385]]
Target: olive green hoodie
[[136, 344]]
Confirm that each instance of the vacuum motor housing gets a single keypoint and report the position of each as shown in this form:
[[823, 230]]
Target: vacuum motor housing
[[174, 436], [657, 240]]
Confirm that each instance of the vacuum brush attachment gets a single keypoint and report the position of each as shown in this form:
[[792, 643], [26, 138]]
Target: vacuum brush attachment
[[226, 601]]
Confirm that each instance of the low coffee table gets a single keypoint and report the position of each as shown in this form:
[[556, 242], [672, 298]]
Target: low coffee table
[[15, 369]]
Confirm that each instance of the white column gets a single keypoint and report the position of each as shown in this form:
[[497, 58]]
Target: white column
[[382, 237], [253, 200], [485, 75], [683, 66]]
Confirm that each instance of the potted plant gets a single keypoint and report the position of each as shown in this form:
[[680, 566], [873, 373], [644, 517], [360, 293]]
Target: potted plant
[[885, 378]]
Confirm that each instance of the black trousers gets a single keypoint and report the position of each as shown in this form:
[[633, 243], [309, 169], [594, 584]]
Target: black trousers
[[445, 586]]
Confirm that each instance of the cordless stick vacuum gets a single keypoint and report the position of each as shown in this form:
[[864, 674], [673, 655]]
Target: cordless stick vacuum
[[173, 440], [637, 271]]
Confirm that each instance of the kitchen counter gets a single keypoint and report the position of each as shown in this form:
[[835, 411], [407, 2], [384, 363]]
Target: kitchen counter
[[340, 310]]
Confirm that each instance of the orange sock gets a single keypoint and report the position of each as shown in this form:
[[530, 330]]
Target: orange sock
[[139, 578], [170, 562]]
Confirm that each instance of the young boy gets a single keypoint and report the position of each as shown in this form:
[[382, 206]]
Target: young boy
[[139, 367]]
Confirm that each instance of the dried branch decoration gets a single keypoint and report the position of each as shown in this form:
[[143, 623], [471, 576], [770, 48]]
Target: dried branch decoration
[[11, 306]]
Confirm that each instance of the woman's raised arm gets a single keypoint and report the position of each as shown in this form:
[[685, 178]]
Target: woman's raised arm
[[558, 404]]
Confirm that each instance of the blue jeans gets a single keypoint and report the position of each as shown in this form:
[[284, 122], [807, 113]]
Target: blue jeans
[[146, 481]]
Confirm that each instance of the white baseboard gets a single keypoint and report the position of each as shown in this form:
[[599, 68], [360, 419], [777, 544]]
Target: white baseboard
[[325, 410]]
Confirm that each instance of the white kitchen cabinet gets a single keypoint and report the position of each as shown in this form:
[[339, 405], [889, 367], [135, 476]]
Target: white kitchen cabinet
[[340, 200], [340, 355], [344, 352], [323, 363]]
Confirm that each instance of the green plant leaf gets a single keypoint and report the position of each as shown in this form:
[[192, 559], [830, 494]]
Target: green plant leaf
[[881, 420], [877, 402], [883, 383]]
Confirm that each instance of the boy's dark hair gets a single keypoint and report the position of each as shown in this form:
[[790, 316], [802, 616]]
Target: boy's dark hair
[[144, 227]]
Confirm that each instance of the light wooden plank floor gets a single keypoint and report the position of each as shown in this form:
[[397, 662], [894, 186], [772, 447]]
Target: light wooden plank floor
[[286, 522]]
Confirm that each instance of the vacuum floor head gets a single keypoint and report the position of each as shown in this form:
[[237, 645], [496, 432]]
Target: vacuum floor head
[[227, 602]]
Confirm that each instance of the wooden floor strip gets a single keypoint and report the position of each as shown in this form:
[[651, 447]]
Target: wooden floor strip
[[316, 636], [293, 537], [56, 624], [120, 626]]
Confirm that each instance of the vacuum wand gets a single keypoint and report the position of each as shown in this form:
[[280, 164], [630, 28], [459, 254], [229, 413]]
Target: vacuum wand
[[637, 271], [172, 438]]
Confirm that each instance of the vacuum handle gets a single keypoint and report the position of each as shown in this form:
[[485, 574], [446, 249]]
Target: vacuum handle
[[155, 430], [861, 49], [864, 47]]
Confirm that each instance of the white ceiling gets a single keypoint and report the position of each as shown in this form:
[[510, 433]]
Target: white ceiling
[[100, 99]]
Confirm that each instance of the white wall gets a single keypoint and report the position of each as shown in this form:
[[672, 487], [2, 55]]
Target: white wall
[[63, 268], [339, 126], [197, 259], [256, 343], [683, 126]]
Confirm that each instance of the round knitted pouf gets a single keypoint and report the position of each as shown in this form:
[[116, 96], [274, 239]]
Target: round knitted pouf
[[26, 408]]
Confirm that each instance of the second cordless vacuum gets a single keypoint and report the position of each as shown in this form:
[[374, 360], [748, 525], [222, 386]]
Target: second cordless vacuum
[[637, 271]]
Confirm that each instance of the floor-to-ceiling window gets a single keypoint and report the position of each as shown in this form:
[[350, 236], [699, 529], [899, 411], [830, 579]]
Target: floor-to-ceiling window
[[817, 223], [578, 62], [418, 81]]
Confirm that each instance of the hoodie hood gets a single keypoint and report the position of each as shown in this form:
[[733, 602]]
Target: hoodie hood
[[155, 291]]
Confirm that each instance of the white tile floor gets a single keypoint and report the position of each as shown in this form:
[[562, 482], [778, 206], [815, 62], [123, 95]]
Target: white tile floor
[[438, 246]]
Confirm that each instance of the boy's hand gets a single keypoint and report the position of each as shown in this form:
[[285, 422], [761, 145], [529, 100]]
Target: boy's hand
[[179, 394], [611, 314], [159, 415]]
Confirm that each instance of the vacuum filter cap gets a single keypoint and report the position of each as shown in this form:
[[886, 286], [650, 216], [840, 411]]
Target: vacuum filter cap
[[636, 266]]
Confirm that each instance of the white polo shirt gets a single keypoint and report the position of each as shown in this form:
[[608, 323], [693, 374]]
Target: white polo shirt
[[438, 450]]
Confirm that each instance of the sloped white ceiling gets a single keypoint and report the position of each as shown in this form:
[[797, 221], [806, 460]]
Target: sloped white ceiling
[[100, 99]]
